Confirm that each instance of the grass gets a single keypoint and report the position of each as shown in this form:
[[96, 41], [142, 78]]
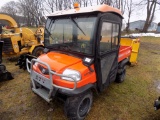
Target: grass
[[131, 100]]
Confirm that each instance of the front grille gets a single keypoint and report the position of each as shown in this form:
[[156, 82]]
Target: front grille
[[7, 46], [43, 70]]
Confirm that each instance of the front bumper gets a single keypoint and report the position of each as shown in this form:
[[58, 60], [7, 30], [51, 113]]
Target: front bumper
[[48, 83]]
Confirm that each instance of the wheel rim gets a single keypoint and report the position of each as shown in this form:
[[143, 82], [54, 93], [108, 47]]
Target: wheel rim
[[84, 107]]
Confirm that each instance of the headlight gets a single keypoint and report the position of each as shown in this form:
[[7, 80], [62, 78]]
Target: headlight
[[71, 73]]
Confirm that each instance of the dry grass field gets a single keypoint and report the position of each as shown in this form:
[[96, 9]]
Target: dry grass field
[[131, 100]]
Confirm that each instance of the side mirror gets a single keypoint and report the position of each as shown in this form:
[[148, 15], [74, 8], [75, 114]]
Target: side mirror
[[88, 62], [45, 50]]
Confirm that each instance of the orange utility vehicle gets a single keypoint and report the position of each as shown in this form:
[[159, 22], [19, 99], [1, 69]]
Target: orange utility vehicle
[[82, 56]]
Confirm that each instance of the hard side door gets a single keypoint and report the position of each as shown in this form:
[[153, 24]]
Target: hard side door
[[108, 41]]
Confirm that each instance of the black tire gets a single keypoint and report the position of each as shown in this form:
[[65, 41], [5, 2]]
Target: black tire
[[121, 77], [77, 107], [38, 51]]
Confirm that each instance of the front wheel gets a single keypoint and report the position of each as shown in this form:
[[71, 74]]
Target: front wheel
[[77, 107]]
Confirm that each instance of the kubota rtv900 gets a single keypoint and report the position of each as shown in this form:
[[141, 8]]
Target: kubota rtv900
[[82, 55]]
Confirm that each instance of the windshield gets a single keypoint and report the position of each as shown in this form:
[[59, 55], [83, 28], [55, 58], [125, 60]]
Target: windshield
[[70, 34]]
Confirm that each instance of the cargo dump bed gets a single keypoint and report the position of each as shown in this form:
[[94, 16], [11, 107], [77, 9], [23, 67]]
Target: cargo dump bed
[[125, 44], [124, 52]]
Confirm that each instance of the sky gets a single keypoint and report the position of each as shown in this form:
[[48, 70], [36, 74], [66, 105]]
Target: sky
[[139, 15], [5, 1]]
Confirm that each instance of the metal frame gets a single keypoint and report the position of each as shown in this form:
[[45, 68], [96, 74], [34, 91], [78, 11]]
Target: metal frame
[[50, 78]]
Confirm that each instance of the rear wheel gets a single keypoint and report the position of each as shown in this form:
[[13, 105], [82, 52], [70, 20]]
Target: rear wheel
[[120, 77], [38, 51], [77, 107]]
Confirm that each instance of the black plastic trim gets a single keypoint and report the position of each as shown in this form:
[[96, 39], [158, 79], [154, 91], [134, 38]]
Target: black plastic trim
[[78, 90], [123, 63]]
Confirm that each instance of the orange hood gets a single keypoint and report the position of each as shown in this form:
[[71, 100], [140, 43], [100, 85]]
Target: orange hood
[[58, 61]]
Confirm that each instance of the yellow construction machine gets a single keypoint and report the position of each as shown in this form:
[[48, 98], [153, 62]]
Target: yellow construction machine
[[20, 41]]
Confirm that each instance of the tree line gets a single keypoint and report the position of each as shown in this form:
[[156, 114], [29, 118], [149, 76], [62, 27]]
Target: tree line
[[34, 11]]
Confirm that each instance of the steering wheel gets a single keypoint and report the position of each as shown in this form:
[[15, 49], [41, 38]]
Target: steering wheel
[[65, 47], [86, 47]]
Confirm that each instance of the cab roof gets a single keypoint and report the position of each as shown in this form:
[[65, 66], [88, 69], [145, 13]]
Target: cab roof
[[100, 8]]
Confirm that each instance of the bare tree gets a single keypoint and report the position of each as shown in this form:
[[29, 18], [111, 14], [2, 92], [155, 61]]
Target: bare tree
[[33, 10], [151, 6], [54, 5], [129, 10], [10, 8], [108, 2], [49, 5]]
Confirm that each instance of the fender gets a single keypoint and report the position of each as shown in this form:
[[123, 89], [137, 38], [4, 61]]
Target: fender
[[33, 47], [123, 63], [79, 90]]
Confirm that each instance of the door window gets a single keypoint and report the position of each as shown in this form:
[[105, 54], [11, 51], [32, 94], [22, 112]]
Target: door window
[[115, 36], [109, 37]]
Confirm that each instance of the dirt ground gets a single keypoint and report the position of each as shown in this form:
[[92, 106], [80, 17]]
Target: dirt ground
[[131, 100]]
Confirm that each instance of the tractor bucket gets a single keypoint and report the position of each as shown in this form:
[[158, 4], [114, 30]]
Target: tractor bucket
[[4, 74]]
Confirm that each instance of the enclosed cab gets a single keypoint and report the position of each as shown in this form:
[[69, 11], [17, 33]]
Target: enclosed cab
[[82, 56]]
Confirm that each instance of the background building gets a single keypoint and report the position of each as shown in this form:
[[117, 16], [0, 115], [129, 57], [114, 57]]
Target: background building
[[138, 25]]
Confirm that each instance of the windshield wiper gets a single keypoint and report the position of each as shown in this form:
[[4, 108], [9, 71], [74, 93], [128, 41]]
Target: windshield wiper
[[49, 33], [77, 25]]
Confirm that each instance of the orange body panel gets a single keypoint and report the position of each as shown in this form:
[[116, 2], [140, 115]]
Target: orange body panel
[[124, 52], [100, 8], [59, 62]]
